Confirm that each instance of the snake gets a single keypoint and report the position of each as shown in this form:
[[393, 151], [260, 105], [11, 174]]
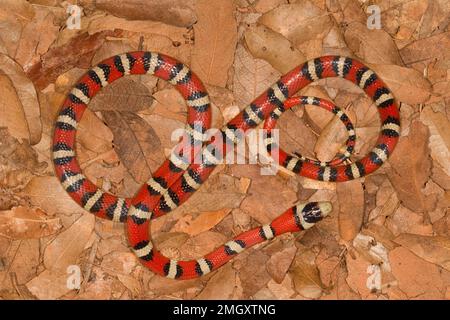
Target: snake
[[180, 176]]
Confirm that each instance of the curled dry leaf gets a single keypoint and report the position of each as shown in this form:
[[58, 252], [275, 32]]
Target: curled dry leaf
[[298, 22], [407, 85], [264, 43], [175, 12], [434, 249], [251, 76], [409, 177], [26, 223], [215, 41], [351, 208], [27, 96], [374, 46], [136, 143]]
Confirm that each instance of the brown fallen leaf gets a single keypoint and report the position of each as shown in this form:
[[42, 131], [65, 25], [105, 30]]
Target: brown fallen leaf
[[407, 221], [407, 85], [136, 143], [351, 208], [279, 262], [251, 76], [27, 96], [439, 140], [123, 95], [169, 104], [298, 22], [12, 115], [78, 52], [373, 46], [215, 40], [14, 16], [26, 223], [20, 261], [48, 285], [205, 221], [427, 49], [264, 43], [252, 274], [409, 177], [221, 285], [305, 275], [175, 12], [262, 203], [18, 162], [434, 249], [30, 47], [66, 248], [417, 278]]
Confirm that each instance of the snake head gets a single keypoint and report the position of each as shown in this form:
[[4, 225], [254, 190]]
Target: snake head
[[312, 212]]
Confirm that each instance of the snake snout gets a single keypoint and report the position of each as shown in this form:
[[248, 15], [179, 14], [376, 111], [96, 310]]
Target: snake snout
[[315, 211]]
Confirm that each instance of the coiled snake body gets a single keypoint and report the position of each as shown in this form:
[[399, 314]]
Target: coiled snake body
[[178, 177]]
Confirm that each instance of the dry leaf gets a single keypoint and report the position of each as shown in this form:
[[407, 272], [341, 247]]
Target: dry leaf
[[409, 177], [251, 76], [305, 275], [215, 40], [279, 262], [175, 12], [427, 49], [351, 208], [136, 143], [263, 43], [66, 248], [439, 140], [253, 277], [434, 249], [407, 85], [205, 221], [417, 278], [31, 47], [48, 285], [264, 204], [123, 95], [28, 102], [299, 22], [26, 223], [221, 285], [373, 46], [78, 52], [11, 111]]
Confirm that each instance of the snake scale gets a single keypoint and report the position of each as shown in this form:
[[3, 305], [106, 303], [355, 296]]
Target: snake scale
[[179, 176]]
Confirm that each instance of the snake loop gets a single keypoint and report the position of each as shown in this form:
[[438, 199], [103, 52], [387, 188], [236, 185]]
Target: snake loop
[[175, 181]]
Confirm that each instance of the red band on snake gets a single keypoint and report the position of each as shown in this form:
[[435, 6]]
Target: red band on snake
[[176, 180]]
